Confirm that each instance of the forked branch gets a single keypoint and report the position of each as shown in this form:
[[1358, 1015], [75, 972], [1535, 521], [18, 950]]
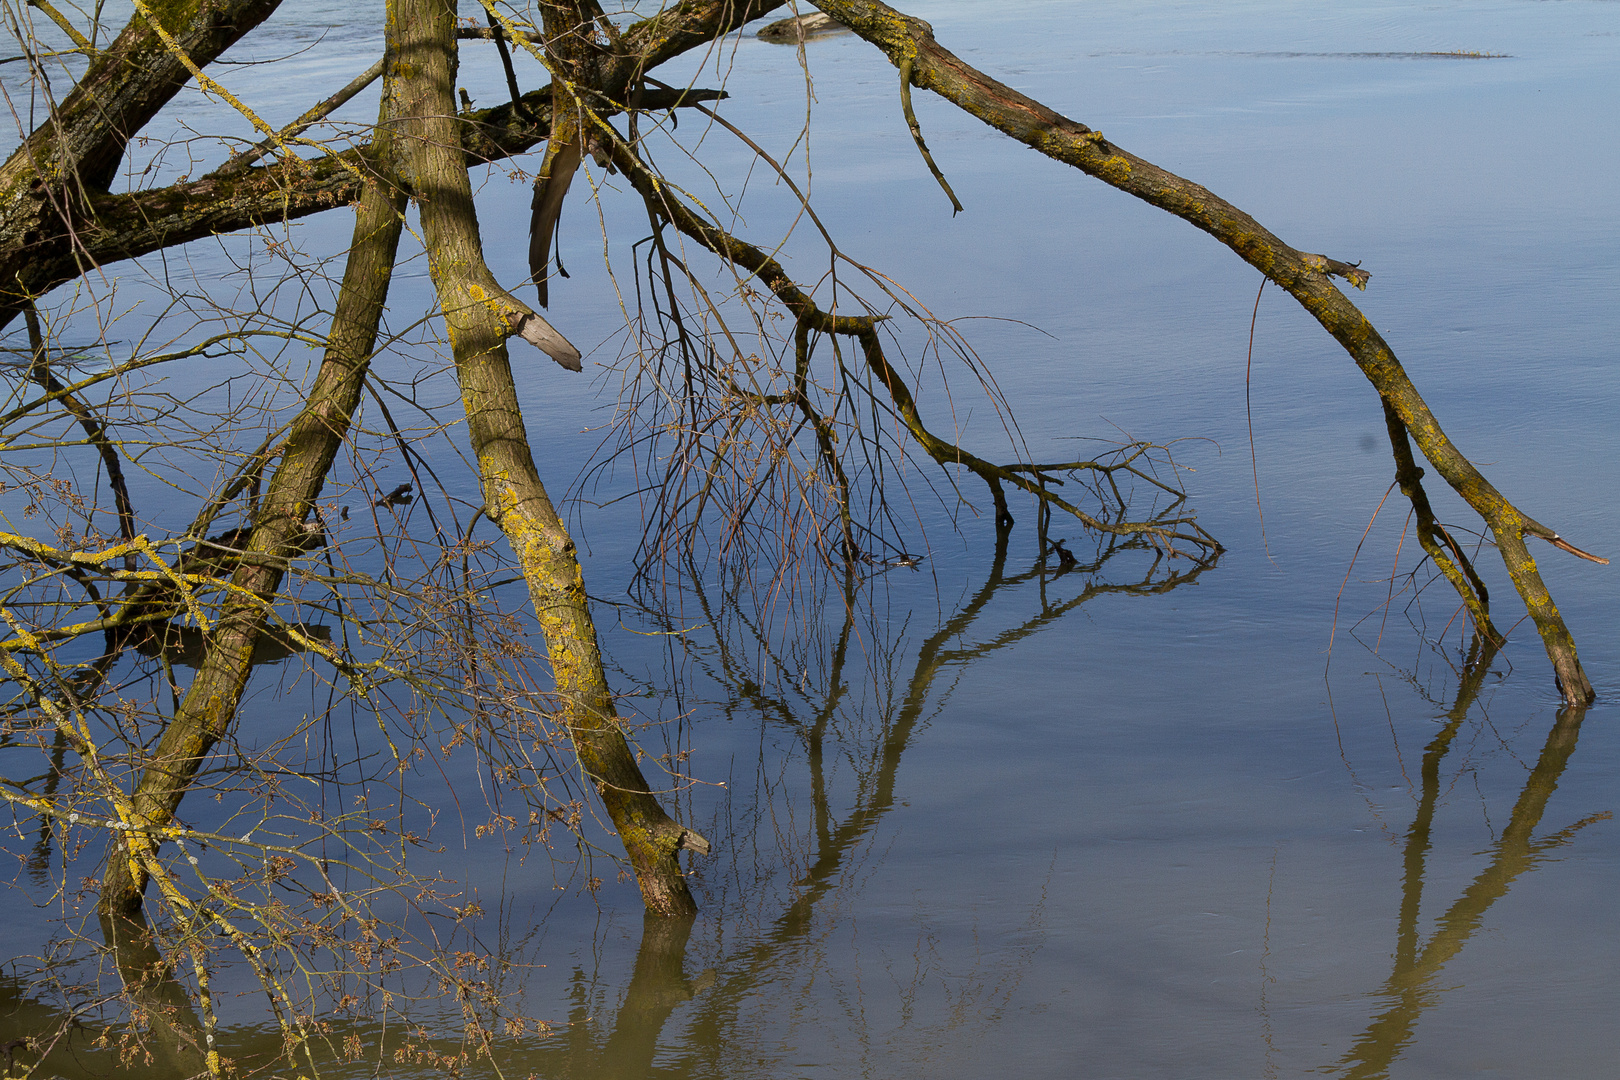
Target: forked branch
[[671, 207], [1307, 277]]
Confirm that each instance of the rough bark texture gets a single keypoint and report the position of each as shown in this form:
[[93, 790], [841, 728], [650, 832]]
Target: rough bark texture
[[58, 221], [478, 321], [48, 184], [910, 42], [571, 53]]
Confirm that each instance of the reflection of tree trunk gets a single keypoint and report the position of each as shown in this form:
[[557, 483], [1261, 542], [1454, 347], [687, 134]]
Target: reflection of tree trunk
[[174, 1035], [1410, 986], [658, 985], [1417, 837], [39, 862]]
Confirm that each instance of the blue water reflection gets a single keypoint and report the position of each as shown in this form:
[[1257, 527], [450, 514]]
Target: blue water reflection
[[1159, 832]]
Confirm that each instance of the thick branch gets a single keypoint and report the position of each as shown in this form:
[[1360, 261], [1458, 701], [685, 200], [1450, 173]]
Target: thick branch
[[57, 221], [514, 497], [46, 183], [1436, 541], [906, 40]]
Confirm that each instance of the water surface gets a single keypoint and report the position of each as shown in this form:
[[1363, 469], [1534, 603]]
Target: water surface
[[1007, 821]]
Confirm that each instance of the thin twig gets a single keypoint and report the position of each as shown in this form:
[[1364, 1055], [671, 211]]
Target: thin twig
[[916, 134]]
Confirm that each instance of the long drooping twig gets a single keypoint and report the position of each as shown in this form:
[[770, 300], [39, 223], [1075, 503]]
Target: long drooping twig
[[669, 205]]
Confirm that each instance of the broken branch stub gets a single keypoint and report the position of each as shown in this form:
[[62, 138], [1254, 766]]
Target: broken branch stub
[[534, 329]]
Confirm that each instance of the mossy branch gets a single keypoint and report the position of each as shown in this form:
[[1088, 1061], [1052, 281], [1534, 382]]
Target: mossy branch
[[1306, 276]]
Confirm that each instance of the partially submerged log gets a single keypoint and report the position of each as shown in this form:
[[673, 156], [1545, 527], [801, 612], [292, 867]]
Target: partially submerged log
[[801, 28]]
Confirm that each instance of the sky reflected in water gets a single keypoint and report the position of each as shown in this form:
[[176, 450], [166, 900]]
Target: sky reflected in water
[[1132, 819]]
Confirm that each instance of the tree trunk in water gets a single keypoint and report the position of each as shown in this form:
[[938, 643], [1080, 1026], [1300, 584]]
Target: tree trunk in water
[[479, 316], [280, 532]]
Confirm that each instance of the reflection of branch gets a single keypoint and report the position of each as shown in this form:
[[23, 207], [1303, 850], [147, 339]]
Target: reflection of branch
[[834, 840], [1417, 837], [1410, 986], [39, 860]]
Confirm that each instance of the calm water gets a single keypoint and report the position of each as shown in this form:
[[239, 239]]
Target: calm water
[[1007, 825]]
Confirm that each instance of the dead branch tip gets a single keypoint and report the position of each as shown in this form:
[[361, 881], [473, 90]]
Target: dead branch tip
[[1564, 545]]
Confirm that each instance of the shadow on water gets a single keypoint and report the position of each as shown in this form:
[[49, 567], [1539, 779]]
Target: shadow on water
[[1411, 987]]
